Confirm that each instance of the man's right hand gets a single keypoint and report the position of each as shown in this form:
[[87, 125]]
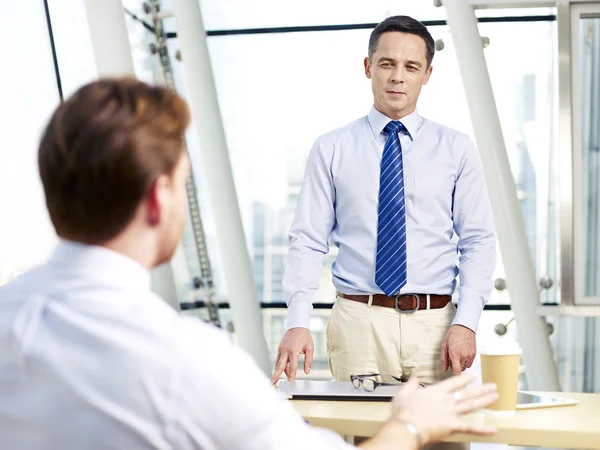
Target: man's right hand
[[296, 341]]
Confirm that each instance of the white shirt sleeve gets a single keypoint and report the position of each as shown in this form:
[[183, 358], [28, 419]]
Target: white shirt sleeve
[[309, 235], [474, 226], [221, 400]]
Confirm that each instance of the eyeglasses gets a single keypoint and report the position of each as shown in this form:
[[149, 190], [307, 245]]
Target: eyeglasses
[[369, 383]]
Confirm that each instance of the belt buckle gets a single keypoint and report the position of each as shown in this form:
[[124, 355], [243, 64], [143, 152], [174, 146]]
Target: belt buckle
[[406, 311]]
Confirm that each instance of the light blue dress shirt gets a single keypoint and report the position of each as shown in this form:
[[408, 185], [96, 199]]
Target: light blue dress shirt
[[446, 197]]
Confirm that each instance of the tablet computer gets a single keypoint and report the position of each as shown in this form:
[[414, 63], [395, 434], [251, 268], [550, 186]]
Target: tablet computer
[[530, 400]]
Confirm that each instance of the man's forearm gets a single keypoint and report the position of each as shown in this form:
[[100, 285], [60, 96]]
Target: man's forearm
[[303, 266], [476, 267], [470, 306]]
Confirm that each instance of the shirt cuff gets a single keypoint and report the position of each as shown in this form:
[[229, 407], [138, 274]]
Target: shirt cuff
[[469, 311], [299, 315]]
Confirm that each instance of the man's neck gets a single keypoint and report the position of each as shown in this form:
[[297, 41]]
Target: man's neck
[[133, 247], [399, 115]]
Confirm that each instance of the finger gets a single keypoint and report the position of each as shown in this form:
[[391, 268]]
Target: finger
[[474, 428], [473, 404], [287, 370], [279, 367], [466, 360], [444, 357], [308, 359], [456, 365], [293, 366], [469, 362]]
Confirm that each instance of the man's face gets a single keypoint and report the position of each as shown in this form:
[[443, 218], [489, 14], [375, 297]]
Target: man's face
[[174, 210], [397, 70]]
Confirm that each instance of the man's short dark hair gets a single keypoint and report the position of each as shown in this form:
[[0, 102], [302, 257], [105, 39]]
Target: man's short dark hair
[[402, 24], [103, 149]]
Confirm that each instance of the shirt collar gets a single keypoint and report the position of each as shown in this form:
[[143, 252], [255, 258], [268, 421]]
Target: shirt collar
[[102, 264], [378, 121]]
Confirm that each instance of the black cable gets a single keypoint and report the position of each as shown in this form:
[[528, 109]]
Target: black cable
[[363, 26], [356, 26], [147, 26], [513, 19], [54, 57]]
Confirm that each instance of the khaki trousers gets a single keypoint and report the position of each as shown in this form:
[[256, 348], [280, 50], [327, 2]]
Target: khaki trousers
[[371, 339]]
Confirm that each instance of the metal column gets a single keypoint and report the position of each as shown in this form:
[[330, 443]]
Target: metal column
[[109, 37], [241, 289], [112, 53], [533, 335]]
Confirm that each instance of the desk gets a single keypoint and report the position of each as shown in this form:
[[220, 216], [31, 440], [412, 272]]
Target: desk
[[575, 427]]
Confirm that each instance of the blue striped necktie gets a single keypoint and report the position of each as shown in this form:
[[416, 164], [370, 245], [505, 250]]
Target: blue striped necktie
[[390, 265]]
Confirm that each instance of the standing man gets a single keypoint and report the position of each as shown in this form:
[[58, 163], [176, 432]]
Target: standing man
[[390, 190]]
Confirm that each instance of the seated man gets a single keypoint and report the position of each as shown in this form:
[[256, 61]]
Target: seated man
[[90, 358]]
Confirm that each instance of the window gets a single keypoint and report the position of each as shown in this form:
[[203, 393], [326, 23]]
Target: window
[[29, 94], [279, 92], [586, 151]]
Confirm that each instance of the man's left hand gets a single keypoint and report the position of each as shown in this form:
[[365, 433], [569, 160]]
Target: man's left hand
[[458, 349]]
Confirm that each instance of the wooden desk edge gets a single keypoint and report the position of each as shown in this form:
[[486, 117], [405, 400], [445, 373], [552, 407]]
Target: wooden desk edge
[[557, 439], [576, 439]]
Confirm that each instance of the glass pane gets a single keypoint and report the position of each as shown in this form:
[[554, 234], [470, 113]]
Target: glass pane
[[29, 95], [73, 44], [575, 342], [589, 45], [525, 94], [274, 328], [317, 83]]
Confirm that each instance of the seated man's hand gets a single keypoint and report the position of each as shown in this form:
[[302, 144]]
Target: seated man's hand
[[436, 411]]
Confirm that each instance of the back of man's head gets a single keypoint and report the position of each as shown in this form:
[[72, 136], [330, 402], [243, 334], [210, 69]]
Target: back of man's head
[[103, 150]]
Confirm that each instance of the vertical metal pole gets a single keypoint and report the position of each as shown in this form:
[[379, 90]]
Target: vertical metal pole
[[241, 289], [541, 369], [566, 150], [112, 53], [108, 31]]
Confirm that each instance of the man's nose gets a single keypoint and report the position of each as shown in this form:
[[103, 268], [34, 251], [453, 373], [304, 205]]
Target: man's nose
[[398, 75]]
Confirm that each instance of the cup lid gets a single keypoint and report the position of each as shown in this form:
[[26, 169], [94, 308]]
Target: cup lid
[[501, 348]]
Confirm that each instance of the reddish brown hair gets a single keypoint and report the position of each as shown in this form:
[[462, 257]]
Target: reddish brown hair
[[103, 149]]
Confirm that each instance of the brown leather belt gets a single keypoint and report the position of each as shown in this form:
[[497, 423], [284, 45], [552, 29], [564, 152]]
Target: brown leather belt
[[404, 302]]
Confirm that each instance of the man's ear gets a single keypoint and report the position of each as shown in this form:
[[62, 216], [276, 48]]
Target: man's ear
[[427, 75], [155, 200], [367, 63]]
